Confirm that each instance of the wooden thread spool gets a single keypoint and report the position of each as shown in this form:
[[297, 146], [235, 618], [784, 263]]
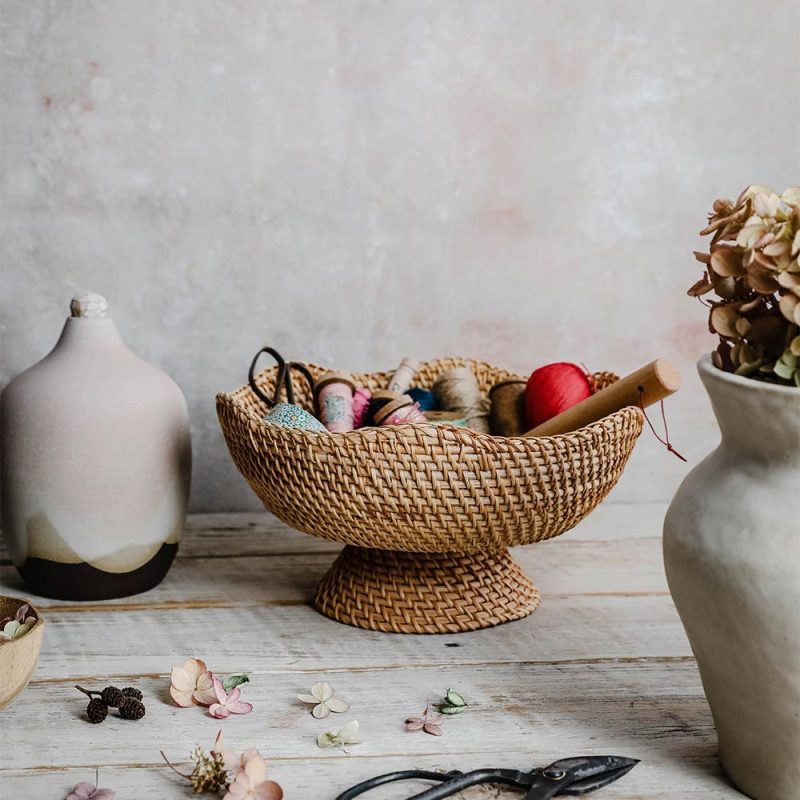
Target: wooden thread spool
[[507, 410], [648, 385], [334, 394], [399, 412], [380, 398]]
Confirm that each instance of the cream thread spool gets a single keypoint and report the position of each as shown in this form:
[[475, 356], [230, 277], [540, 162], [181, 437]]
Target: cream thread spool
[[507, 409], [404, 374], [335, 401], [458, 390]]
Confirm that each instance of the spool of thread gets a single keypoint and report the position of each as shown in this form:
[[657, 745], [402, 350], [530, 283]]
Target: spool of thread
[[507, 412], [288, 415], [446, 418], [424, 398], [553, 389], [399, 412], [403, 375], [458, 390], [335, 401], [380, 398], [361, 398]]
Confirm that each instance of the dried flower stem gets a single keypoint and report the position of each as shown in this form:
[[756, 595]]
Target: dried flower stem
[[169, 764]]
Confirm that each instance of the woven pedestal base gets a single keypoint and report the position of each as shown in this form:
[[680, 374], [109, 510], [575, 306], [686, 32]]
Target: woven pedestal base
[[398, 592]]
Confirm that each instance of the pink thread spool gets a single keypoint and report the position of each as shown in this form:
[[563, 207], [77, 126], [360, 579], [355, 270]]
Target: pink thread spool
[[335, 401], [361, 398], [404, 374], [399, 412]]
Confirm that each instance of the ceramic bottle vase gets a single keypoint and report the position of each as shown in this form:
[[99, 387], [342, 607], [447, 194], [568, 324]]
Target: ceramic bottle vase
[[732, 556], [96, 463]]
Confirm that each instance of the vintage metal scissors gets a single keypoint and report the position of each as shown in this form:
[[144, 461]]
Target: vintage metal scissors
[[283, 380], [568, 776]]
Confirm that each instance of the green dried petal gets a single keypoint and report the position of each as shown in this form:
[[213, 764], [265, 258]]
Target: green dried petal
[[454, 698], [232, 681], [444, 708]]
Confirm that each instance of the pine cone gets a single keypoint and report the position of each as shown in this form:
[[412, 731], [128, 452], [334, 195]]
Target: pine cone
[[112, 696], [129, 691], [131, 708], [97, 710]]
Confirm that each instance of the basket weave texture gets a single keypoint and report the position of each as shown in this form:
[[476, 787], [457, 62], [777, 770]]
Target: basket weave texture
[[425, 488]]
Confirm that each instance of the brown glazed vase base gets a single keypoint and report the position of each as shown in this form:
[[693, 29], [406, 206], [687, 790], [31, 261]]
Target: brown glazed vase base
[[398, 592], [61, 581]]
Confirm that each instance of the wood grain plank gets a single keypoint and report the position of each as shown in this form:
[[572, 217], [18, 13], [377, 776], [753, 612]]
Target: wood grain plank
[[652, 711], [221, 535], [695, 777], [558, 567], [565, 628]]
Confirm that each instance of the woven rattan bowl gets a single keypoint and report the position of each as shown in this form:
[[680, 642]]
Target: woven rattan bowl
[[427, 513], [19, 656]]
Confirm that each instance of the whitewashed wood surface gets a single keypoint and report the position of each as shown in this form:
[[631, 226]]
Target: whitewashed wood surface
[[602, 667]]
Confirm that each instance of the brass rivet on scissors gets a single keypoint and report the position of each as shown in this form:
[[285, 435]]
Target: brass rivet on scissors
[[554, 774]]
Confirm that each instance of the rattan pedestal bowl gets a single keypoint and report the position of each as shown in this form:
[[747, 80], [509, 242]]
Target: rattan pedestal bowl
[[427, 513]]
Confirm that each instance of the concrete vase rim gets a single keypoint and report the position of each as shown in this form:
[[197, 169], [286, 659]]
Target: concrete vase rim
[[707, 369]]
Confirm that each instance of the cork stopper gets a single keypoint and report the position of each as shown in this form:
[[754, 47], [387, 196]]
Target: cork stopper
[[89, 305]]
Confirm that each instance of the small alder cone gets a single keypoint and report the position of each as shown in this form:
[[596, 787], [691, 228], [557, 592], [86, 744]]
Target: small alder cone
[[96, 711], [112, 696], [129, 691], [131, 708]]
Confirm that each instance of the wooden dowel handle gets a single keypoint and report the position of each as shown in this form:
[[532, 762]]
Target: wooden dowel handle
[[657, 380]]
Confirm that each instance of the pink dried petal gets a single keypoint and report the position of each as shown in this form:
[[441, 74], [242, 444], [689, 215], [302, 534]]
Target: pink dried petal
[[239, 707], [182, 680], [205, 694], [433, 728], [218, 711], [182, 699], [268, 790], [221, 694], [415, 724], [81, 791]]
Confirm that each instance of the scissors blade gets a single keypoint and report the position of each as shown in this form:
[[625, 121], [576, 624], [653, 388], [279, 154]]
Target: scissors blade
[[586, 774]]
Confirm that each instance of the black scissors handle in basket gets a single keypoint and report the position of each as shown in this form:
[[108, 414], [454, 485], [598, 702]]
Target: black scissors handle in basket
[[283, 380]]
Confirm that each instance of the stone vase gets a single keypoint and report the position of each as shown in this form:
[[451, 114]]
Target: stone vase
[[732, 557], [96, 464]]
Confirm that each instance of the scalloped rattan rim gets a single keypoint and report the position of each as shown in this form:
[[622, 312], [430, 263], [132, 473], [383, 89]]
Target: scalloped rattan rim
[[231, 398]]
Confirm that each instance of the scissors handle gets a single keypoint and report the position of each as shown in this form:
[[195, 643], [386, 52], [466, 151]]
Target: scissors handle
[[460, 781], [283, 380], [391, 777]]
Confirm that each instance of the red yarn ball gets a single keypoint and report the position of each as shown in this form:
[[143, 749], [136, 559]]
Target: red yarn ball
[[553, 389]]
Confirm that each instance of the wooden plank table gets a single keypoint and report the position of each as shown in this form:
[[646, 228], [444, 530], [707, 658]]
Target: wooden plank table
[[602, 667]]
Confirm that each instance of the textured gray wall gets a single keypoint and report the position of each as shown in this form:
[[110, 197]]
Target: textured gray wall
[[517, 180]]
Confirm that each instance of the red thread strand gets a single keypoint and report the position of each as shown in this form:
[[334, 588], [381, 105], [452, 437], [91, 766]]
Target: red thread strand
[[665, 441]]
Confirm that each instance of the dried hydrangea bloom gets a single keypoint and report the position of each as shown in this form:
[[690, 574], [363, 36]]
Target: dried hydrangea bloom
[[324, 700], [753, 267], [227, 704], [192, 684], [87, 791], [251, 782]]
